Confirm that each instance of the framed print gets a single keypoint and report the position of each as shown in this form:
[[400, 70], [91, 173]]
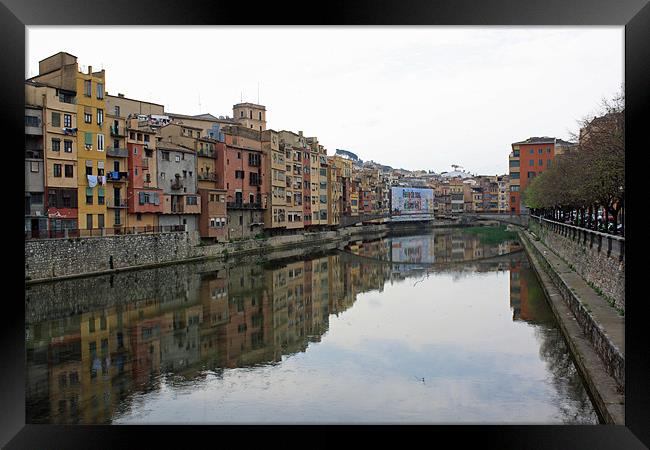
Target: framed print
[[403, 213]]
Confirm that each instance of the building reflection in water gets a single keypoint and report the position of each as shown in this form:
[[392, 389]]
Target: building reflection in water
[[94, 345]]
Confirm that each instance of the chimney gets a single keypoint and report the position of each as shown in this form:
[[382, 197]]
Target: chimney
[[120, 95], [90, 70], [300, 133]]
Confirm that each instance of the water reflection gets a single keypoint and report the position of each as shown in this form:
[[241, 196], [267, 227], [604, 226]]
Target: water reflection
[[342, 337]]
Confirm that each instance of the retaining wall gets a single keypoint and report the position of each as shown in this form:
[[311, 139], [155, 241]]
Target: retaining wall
[[599, 258], [49, 259]]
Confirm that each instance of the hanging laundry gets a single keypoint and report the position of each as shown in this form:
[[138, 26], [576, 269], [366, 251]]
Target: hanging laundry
[[115, 175], [92, 181], [102, 180]]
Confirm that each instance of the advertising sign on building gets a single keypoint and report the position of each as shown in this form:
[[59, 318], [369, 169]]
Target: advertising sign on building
[[411, 203]]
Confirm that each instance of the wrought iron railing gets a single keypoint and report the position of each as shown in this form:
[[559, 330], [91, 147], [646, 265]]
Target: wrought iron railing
[[99, 232]]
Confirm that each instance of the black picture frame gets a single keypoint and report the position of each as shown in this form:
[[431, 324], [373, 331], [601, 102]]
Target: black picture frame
[[16, 14]]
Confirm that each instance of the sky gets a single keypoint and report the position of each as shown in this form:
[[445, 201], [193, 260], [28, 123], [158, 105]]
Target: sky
[[409, 97]]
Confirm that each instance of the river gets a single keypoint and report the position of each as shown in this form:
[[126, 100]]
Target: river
[[447, 326]]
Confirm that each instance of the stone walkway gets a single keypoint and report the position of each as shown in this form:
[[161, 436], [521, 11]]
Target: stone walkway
[[593, 329]]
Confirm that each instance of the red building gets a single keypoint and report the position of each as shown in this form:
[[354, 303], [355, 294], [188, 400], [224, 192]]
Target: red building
[[245, 181], [144, 198], [528, 159]]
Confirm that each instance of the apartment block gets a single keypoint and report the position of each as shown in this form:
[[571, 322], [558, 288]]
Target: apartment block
[[528, 159]]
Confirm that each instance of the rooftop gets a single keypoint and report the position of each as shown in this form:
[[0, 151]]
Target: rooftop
[[542, 140]]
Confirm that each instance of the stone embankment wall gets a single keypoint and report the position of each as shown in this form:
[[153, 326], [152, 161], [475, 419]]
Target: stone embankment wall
[[597, 257], [53, 258], [49, 259]]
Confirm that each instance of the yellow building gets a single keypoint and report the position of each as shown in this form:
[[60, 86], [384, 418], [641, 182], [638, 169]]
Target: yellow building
[[93, 132], [116, 161], [275, 214]]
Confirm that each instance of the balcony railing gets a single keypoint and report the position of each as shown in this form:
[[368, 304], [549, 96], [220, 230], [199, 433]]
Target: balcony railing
[[34, 153], [117, 176], [97, 232], [210, 176], [206, 153], [238, 205], [117, 152], [116, 203]]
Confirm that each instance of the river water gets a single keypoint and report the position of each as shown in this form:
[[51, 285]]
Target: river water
[[449, 326]]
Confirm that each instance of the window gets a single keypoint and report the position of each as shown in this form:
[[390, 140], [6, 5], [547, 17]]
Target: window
[[87, 88], [88, 140], [31, 121], [138, 216], [254, 159], [100, 142], [165, 156], [117, 110], [239, 174], [89, 170], [100, 90], [191, 200], [259, 115], [33, 166], [56, 119], [540, 151], [514, 163], [69, 171], [177, 158], [548, 150], [89, 225], [185, 174], [162, 175], [100, 116], [514, 175], [67, 146], [532, 151], [531, 175], [89, 196], [515, 152], [132, 135], [531, 162], [241, 114], [135, 150], [513, 199], [514, 188], [57, 170], [88, 118], [238, 155], [56, 145], [146, 138], [100, 196], [100, 224]]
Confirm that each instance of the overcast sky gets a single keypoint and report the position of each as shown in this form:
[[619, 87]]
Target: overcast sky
[[409, 97]]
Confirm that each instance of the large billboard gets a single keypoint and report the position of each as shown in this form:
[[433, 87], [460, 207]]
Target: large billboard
[[411, 203]]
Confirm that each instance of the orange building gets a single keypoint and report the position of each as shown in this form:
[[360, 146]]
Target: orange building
[[528, 159]]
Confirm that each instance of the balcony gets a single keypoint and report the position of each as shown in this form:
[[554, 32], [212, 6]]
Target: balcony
[[115, 131], [34, 153], [205, 153], [209, 176], [237, 205], [117, 152], [117, 176], [115, 203]]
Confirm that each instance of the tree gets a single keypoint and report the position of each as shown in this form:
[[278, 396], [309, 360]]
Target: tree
[[591, 175]]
